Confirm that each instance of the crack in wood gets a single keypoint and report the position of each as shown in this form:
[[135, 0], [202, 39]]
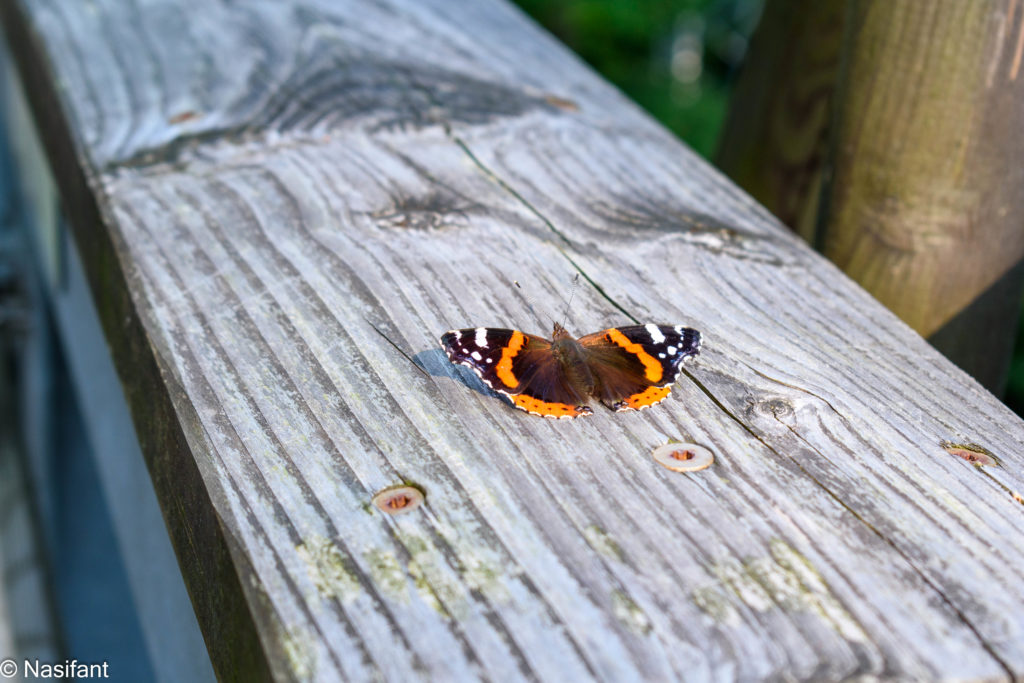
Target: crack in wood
[[899, 551], [793, 386], [1015, 495], [599, 289], [829, 492], [508, 188]]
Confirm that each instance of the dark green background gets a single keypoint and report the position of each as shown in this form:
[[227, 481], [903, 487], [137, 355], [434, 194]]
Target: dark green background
[[676, 59]]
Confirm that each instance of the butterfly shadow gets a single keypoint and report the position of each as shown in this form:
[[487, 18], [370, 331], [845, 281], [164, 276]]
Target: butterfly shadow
[[435, 363]]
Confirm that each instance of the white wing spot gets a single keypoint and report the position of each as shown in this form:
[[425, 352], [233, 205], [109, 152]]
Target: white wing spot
[[481, 337], [476, 355], [656, 336], [672, 350], [661, 355], [458, 335], [490, 360]]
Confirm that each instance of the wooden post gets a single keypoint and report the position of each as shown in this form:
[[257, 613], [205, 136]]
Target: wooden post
[[281, 207], [775, 138], [921, 202]]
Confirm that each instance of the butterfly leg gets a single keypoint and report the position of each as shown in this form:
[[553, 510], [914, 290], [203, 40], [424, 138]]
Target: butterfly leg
[[639, 400]]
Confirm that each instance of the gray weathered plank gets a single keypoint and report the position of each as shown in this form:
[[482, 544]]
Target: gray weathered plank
[[281, 180]]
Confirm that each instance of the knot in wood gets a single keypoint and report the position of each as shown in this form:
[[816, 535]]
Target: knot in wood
[[432, 211], [774, 407]]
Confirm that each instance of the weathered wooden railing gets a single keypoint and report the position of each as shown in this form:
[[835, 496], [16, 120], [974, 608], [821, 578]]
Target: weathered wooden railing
[[279, 205]]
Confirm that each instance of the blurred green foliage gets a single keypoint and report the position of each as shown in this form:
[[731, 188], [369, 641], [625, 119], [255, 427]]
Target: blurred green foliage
[[676, 59]]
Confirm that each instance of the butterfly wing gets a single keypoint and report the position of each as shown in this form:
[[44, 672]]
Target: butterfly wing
[[636, 366], [519, 365]]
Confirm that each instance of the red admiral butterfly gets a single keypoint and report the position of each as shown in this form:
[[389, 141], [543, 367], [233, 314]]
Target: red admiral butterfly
[[626, 368]]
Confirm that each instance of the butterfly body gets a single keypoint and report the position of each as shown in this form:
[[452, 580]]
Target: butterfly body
[[572, 357], [626, 368]]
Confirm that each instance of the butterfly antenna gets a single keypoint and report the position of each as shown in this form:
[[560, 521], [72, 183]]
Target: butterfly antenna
[[529, 302], [572, 293]]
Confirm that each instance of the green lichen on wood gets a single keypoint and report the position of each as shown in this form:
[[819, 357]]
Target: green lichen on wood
[[600, 541], [328, 570], [782, 579], [300, 655], [712, 601], [388, 574], [434, 582], [629, 614]]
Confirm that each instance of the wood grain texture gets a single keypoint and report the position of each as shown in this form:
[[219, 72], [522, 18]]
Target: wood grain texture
[[774, 142], [287, 183], [922, 206]]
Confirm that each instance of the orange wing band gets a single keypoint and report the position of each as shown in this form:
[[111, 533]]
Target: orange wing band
[[538, 407], [652, 368], [504, 367], [646, 398]]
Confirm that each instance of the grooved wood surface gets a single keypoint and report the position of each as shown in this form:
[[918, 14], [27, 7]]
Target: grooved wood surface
[[303, 196]]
